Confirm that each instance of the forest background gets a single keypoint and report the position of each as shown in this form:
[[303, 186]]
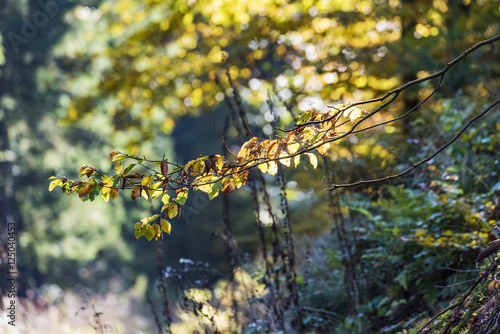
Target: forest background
[[154, 79]]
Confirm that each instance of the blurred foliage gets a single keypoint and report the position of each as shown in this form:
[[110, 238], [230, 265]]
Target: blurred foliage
[[130, 73]]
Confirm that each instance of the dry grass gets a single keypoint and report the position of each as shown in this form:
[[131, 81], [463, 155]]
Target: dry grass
[[71, 313]]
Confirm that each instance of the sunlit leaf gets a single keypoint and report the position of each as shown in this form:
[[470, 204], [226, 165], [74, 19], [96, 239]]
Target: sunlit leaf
[[215, 189], [263, 167], [136, 192], [118, 167], [313, 159], [323, 148], [118, 157], [149, 232], [182, 196], [272, 167], [165, 226], [296, 160], [147, 181], [127, 169], [304, 118], [165, 198], [113, 193], [156, 190], [228, 186], [139, 233], [105, 196], [54, 184], [164, 167], [173, 210], [199, 167]]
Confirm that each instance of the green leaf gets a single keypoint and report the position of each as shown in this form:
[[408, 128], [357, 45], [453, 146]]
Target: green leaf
[[304, 117], [118, 157], [149, 232], [182, 196], [139, 160], [128, 169], [139, 233], [215, 189]]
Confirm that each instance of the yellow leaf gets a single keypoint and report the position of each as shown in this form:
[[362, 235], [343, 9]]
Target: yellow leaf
[[285, 161], [149, 232], [420, 232], [296, 160], [118, 167], [105, 197], [293, 148], [118, 157], [113, 193], [354, 113], [323, 148], [166, 227], [147, 180], [263, 167], [199, 167], [273, 149], [107, 186], [272, 167], [313, 159], [173, 210], [156, 190], [165, 198], [157, 230], [244, 150], [220, 162], [54, 184], [139, 233], [182, 196]]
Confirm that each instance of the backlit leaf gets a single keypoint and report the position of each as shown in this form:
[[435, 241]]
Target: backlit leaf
[[147, 181], [139, 233], [118, 157], [113, 193], [136, 192], [182, 196], [149, 232], [263, 167], [228, 186], [215, 189], [199, 167], [313, 159], [112, 154], [304, 118], [165, 226], [54, 184], [118, 167], [128, 169], [173, 210], [272, 167], [323, 148]]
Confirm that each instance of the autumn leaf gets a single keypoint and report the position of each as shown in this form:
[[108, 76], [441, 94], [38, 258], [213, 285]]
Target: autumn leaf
[[228, 186], [136, 192], [164, 167], [165, 226], [173, 210], [272, 167], [313, 159], [182, 196]]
